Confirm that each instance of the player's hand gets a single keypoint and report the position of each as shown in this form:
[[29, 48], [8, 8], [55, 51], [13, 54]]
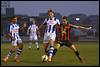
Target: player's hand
[[89, 28], [7, 36]]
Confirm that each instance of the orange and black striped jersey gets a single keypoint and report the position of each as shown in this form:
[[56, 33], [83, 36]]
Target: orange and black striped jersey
[[65, 31]]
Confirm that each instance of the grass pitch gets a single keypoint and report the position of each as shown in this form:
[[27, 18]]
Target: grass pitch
[[64, 57]]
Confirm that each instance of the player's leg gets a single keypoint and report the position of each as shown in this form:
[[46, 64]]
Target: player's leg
[[56, 48], [30, 41], [51, 49], [11, 51], [46, 47], [51, 41], [59, 43], [37, 44], [19, 50], [45, 43], [36, 41], [76, 52]]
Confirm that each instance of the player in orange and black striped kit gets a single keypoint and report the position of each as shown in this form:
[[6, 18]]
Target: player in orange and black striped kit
[[65, 37]]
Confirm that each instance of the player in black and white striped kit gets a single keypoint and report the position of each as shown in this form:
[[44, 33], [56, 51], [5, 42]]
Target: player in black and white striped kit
[[50, 33], [33, 29], [17, 45]]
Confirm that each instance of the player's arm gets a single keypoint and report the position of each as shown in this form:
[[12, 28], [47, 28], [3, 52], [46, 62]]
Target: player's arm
[[40, 26], [38, 33], [81, 27], [28, 30], [8, 35], [63, 31], [61, 26], [44, 23], [21, 28], [58, 24]]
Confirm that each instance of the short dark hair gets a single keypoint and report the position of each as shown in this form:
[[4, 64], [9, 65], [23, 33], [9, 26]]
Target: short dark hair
[[50, 11], [65, 17], [14, 17]]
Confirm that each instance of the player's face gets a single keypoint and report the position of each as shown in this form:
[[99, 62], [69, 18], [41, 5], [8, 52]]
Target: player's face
[[24, 24], [51, 14], [14, 20], [33, 21], [65, 21]]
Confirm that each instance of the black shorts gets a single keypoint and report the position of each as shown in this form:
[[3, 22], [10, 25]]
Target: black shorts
[[66, 43]]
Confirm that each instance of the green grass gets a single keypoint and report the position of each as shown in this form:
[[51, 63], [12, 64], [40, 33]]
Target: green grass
[[64, 57]]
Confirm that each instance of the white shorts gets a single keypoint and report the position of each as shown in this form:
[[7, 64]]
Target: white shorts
[[33, 37], [48, 36], [17, 40]]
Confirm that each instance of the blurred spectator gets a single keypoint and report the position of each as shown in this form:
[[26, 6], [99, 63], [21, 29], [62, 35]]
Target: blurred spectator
[[94, 32], [89, 33], [23, 29], [75, 35]]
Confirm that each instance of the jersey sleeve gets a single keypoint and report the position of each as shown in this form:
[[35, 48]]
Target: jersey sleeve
[[58, 22], [10, 28], [74, 26], [29, 27], [45, 22], [71, 25], [37, 27]]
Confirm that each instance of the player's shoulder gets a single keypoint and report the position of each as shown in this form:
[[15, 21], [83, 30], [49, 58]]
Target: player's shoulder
[[46, 19], [11, 25], [56, 19], [30, 24], [35, 25], [17, 24]]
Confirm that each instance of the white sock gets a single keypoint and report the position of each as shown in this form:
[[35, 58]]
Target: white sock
[[37, 45], [30, 44]]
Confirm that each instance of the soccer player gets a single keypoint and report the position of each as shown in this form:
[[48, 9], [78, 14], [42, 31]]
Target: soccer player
[[17, 44], [50, 33], [65, 37], [23, 29], [33, 29]]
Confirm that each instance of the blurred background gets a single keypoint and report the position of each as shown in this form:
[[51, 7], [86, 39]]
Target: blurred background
[[84, 13]]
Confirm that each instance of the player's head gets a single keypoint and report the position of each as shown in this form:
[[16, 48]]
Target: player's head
[[50, 13], [65, 20], [25, 24], [14, 19], [33, 21]]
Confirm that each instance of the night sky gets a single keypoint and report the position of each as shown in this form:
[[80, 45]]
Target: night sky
[[33, 8]]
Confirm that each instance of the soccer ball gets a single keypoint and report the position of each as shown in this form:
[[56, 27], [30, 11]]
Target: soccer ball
[[44, 58]]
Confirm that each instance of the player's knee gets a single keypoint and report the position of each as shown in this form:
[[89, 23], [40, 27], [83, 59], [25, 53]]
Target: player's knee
[[73, 47], [14, 48], [20, 45], [57, 46], [51, 41]]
